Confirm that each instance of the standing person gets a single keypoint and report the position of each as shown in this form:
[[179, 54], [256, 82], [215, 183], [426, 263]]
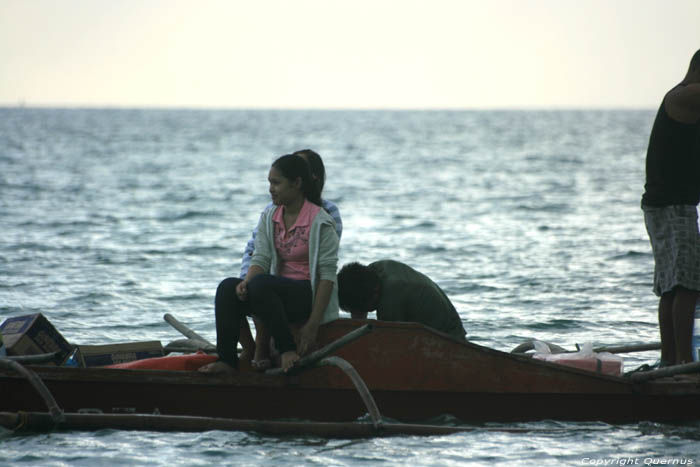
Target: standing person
[[258, 350], [398, 293], [672, 193], [292, 274]]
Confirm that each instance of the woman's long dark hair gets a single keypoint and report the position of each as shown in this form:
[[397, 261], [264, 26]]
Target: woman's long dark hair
[[318, 170], [292, 166]]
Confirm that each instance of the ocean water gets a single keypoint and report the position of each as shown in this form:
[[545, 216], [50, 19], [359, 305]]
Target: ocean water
[[529, 220]]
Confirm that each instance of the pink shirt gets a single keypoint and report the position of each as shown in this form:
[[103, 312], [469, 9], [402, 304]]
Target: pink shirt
[[293, 245]]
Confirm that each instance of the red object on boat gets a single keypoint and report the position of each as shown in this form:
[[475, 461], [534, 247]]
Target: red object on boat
[[606, 364], [598, 365], [190, 362]]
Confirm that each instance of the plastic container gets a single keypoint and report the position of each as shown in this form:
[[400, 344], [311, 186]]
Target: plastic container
[[584, 359], [73, 359]]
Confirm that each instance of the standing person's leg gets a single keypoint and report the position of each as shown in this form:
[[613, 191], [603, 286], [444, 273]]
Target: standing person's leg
[[277, 302], [657, 227], [666, 330], [683, 318], [675, 242], [686, 278]]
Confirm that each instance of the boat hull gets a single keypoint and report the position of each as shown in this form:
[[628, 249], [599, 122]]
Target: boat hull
[[413, 373]]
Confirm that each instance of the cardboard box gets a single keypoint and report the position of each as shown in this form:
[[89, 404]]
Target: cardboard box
[[32, 335], [100, 355]]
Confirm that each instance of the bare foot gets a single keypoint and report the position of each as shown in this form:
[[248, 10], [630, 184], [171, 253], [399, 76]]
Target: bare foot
[[246, 355], [289, 359], [261, 365], [218, 368], [261, 361], [262, 354]]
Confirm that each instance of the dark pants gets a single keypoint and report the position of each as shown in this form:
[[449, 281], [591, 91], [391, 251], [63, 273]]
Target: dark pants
[[274, 300]]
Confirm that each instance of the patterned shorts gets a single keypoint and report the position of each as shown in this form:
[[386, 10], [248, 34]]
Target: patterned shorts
[[675, 242]]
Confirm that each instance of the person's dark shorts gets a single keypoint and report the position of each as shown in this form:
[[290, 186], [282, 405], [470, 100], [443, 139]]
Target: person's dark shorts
[[675, 242]]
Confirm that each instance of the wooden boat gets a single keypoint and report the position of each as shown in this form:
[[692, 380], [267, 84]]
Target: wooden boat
[[413, 373]]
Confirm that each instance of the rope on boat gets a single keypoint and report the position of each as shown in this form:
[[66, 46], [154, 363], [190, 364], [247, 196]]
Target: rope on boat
[[530, 345], [38, 384]]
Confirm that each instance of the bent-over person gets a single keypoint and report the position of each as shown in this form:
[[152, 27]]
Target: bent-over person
[[398, 293]]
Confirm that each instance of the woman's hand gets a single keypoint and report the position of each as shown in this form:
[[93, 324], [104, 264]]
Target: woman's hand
[[309, 331], [242, 287], [307, 337], [242, 290]]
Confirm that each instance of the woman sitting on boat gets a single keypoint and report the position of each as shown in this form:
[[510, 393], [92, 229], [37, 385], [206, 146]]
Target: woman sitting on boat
[[292, 274], [258, 351]]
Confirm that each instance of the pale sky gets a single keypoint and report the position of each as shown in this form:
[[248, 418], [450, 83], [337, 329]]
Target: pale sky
[[345, 54]]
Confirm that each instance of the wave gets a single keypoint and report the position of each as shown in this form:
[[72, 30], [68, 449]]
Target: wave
[[188, 215], [556, 324], [549, 208], [185, 298], [188, 251], [57, 224], [91, 298], [631, 255]]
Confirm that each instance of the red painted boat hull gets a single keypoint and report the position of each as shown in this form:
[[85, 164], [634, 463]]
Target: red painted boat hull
[[414, 374]]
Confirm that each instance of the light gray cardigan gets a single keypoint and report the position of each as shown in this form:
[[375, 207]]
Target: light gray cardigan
[[323, 254]]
